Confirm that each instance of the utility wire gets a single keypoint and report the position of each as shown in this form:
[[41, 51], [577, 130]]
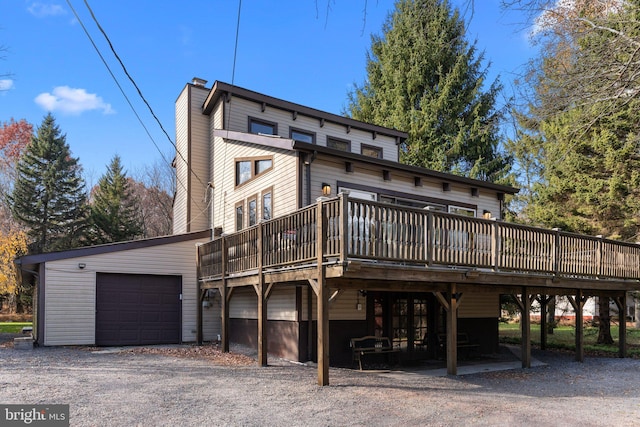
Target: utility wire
[[178, 180], [233, 77], [124, 68], [118, 83]]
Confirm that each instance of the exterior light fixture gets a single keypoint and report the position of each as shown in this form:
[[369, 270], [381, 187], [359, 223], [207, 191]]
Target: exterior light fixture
[[326, 189]]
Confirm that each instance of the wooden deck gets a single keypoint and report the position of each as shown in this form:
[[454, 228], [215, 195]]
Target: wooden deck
[[409, 243], [346, 243]]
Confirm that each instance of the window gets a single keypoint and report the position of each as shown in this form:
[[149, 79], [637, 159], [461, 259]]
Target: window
[[371, 151], [248, 169], [302, 136], [338, 144], [263, 166], [243, 171], [262, 126], [267, 210], [239, 215], [462, 211], [253, 211]]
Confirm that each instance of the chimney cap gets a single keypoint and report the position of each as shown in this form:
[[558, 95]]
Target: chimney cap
[[197, 81]]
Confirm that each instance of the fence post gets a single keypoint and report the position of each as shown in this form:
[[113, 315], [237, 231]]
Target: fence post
[[343, 230], [555, 251], [495, 245], [431, 239], [600, 264]]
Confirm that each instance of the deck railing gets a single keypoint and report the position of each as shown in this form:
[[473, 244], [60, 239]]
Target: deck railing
[[358, 229]]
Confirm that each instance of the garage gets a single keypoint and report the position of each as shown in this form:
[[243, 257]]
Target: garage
[[140, 292], [137, 309]]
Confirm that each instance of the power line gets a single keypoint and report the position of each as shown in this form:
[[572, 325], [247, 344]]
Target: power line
[[118, 84], [124, 68], [178, 180]]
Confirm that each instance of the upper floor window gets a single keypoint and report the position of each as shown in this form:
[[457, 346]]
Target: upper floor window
[[253, 212], [302, 136], [462, 211], [266, 204], [338, 144], [248, 169], [371, 151], [239, 215], [262, 126]]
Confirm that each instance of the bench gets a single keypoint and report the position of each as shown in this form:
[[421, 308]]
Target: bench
[[370, 345], [466, 347]]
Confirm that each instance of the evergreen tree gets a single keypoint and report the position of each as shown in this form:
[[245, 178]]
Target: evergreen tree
[[115, 211], [48, 195], [423, 77]]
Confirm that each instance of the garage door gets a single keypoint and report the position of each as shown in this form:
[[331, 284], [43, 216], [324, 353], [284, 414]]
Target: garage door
[[136, 309]]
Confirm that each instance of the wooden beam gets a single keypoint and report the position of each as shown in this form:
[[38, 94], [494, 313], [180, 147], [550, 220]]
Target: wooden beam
[[323, 301], [621, 302], [577, 303], [525, 328], [199, 334], [544, 305], [442, 299], [225, 295], [224, 314], [262, 292], [262, 325], [314, 285], [452, 332]]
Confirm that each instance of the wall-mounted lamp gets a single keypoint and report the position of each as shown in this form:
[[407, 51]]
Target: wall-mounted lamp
[[82, 265], [326, 189]]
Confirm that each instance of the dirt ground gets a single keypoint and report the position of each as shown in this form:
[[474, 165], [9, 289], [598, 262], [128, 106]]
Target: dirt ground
[[200, 386]]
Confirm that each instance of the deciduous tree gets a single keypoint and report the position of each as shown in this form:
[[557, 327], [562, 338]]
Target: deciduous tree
[[12, 244]]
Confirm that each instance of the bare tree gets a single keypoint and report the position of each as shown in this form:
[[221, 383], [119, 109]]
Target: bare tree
[[155, 186]]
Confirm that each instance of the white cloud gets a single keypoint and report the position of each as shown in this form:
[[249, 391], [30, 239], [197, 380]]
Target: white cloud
[[6, 84], [42, 10], [72, 101]]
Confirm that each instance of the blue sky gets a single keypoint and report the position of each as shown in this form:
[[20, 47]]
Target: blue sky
[[291, 49]]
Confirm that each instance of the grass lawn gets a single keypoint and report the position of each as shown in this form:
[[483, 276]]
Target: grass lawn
[[564, 337], [13, 327]]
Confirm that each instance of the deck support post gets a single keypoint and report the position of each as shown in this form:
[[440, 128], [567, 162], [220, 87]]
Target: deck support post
[[262, 324], [544, 306], [262, 306], [224, 296], [199, 333], [578, 304], [450, 304], [621, 302], [525, 325], [524, 304], [322, 293]]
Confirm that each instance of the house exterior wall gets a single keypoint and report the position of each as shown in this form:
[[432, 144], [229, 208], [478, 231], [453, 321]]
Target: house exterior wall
[[191, 162], [241, 109], [480, 305], [401, 184], [70, 293], [182, 150]]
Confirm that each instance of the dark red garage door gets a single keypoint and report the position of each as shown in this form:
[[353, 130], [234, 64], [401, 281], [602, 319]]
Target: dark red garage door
[[136, 309]]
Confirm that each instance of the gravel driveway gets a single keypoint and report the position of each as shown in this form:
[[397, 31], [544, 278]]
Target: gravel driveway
[[141, 388]]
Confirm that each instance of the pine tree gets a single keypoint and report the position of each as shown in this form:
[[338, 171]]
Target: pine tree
[[49, 196], [423, 77], [115, 211]]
